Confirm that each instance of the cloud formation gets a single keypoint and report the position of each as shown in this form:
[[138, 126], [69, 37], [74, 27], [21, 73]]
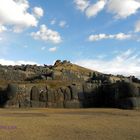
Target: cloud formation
[[53, 49], [15, 13], [38, 12], [47, 35], [123, 8], [62, 23], [53, 22], [81, 4], [126, 63], [119, 36], [20, 62], [120, 8], [2, 28], [137, 26], [94, 9]]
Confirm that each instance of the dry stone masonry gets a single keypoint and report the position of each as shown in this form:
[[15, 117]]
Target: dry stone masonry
[[65, 85]]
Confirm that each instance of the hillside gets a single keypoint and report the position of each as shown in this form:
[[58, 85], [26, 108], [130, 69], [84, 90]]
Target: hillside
[[65, 85]]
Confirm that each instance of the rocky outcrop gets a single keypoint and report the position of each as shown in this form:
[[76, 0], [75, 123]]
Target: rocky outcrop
[[65, 85]]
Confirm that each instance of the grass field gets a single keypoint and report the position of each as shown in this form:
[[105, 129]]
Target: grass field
[[63, 124]]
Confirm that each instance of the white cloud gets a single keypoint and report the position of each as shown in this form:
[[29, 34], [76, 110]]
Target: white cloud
[[47, 35], [18, 29], [15, 13], [38, 11], [2, 28], [137, 26], [122, 36], [62, 23], [81, 4], [53, 49], [120, 8], [94, 9], [119, 36], [20, 62], [53, 22], [123, 8], [126, 63]]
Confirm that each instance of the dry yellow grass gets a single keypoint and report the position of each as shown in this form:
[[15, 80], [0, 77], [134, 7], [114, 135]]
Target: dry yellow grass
[[74, 68], [63, 124]]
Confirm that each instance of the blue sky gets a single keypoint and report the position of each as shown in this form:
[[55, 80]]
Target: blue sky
[[103, 35]]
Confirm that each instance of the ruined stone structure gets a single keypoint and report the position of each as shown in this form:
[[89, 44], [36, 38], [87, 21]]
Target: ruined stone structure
[[65, 85]]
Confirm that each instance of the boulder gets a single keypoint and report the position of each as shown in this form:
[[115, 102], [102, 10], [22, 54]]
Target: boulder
[[126, 90], [91, 95], [12, 96], [74, 92], [89, 87], [12, 91], [67, 94], [129, 103], [51, 98], [60, 95], [35, 94], [23, 96], [42, 94], [81, 95]]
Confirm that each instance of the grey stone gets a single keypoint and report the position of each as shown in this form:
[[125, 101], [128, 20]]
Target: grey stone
[[129, 103], [67, 94], [35, 94], [74, 92]]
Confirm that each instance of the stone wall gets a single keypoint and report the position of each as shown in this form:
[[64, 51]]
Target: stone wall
[[84, 95]]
